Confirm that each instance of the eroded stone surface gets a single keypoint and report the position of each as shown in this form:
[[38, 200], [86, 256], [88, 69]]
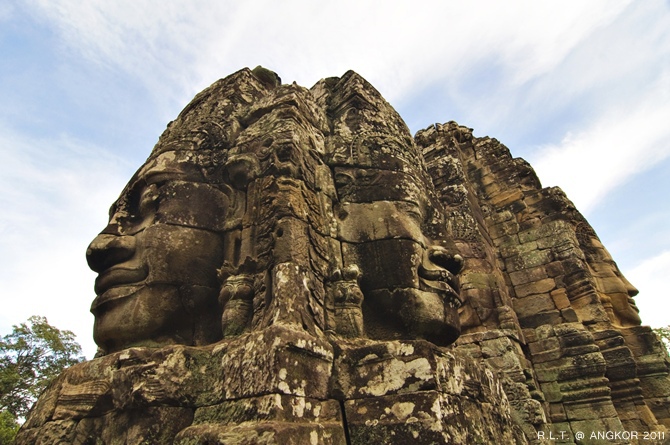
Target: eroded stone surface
[[290, 266]]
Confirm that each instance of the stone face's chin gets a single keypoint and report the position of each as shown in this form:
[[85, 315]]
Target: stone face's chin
[[411, 313], [140, 315], [626, 310]]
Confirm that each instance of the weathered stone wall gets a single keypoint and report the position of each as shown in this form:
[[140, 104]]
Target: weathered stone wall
[[315, 301], [276, 386], [539, 282]]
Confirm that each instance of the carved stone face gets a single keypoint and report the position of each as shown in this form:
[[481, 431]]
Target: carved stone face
[[157, 259], [408, 277], [247, 175], [615, 291]]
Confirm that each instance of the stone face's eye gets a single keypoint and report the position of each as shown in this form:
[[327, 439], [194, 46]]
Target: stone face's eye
[[412, 209], [148, 201], [133, 211]]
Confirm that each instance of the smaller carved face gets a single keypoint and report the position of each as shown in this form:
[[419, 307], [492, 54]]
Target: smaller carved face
[[157, 259], [615, 291], [409, 280]]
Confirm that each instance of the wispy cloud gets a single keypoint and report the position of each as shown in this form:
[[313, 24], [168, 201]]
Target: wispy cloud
[[618, 145], [400, 49], [586, 78], [54, 195]]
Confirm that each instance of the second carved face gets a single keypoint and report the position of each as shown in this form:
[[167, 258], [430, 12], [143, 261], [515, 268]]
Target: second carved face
[[409, 275]]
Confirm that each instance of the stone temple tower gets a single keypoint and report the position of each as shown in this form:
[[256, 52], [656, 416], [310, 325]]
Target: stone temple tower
[[291, 266]]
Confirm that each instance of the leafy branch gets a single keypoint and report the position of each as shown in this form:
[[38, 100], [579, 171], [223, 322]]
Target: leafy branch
[[30, 357]]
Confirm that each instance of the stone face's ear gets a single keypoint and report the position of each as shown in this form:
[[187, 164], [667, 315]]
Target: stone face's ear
[[241, 169]]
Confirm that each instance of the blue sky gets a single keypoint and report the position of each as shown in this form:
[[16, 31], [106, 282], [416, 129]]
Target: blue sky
[[579, 89]]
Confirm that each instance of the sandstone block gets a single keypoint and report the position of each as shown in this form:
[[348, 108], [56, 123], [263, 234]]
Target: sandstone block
[[533, 304], [543, 286]]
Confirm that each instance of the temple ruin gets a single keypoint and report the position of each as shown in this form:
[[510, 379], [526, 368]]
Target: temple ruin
[[291, 266]]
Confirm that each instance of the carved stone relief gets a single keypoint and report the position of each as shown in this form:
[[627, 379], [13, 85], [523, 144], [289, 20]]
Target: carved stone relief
[[290, 266]]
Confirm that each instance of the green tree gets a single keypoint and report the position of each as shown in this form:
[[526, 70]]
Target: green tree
[[8, 427], [30, 357], [664, 335]]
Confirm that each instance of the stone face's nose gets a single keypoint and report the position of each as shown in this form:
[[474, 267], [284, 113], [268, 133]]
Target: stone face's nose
[[450, 261], [107, 250], [630, 289]]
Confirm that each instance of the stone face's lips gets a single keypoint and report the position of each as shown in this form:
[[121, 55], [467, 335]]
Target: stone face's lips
[[119, 276], [442, 282], [113, 294]]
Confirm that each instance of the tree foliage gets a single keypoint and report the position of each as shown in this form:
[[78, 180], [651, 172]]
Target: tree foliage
[[30, 357], [664, 335], [8, 427]]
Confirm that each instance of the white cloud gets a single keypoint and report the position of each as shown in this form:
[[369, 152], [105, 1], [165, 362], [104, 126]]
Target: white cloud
[[650, 277], [620, 144], [184, 46], [550, 31], [54, 196], [534, 85], [608, 69], [56, 193]]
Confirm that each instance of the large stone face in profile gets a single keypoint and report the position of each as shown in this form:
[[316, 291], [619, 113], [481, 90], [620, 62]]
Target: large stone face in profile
[[251, 179], [291, 266]]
